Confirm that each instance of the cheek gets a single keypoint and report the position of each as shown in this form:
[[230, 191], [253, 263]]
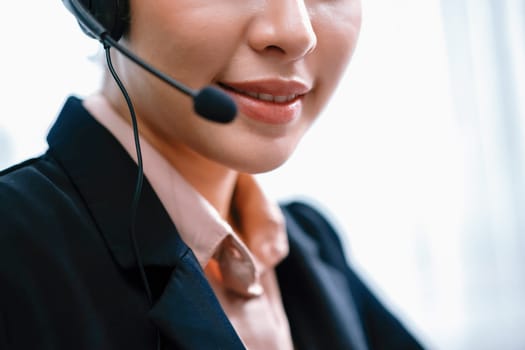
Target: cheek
[[337, 25], [185, 44], [190, 40]]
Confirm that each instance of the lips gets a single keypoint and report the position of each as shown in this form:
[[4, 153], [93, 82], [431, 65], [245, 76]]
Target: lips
[[268, 101], [263, 96]]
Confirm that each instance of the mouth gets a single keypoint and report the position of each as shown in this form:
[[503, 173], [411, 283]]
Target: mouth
[[275, 102], [267, 97]]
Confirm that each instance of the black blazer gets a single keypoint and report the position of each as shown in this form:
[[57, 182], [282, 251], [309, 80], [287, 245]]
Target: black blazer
[[68, 277]]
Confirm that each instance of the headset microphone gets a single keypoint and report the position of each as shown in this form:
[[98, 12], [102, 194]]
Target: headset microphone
[[210, 102]]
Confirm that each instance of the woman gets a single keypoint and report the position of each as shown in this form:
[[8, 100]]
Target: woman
[[210, 263]]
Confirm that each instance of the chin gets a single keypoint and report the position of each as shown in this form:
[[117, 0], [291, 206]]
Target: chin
[[262, 167], [257, 163], [249, 153]]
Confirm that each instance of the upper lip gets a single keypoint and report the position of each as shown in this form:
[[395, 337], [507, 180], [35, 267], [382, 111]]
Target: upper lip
[[287, 89]]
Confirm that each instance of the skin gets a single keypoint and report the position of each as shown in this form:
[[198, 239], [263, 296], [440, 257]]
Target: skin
[[202, 42]]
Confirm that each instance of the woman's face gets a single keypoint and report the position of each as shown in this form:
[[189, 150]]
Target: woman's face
[[280, 60]]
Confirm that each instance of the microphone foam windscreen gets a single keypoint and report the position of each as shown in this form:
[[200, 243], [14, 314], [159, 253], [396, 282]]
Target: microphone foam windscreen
[[215, 105]]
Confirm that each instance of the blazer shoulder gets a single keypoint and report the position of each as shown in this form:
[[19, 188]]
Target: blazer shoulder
[[16, 177], [383, 329], [315, 223], [33, 194], [309, 217], [16, 186]]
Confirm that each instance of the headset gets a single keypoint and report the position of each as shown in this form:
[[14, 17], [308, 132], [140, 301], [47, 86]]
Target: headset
[[112, 15], [107, 21]]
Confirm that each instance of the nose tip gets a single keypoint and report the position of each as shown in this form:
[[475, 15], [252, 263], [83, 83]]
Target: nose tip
[[285, 29]]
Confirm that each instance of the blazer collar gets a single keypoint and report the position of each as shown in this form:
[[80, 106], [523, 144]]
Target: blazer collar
[[105, 176]]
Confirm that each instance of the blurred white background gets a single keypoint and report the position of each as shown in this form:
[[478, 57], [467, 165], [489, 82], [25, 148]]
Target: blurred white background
[[419, 159]]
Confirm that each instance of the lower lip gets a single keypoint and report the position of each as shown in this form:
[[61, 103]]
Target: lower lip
[[268, 112]]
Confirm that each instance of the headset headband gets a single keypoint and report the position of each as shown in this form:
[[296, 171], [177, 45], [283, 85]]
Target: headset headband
[[97, 17]]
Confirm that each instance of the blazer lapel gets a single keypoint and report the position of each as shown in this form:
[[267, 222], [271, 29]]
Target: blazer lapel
[[189, 314], [317, 297]]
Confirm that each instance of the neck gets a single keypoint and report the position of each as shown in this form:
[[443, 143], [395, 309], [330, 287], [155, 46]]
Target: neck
[[213, 181]]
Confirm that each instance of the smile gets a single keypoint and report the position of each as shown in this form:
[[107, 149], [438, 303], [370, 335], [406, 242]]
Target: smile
[[263, 96], [271, 101]]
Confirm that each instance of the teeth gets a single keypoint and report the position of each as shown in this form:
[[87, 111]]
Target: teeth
[[280, 99], [251, 94], [267, 97]]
